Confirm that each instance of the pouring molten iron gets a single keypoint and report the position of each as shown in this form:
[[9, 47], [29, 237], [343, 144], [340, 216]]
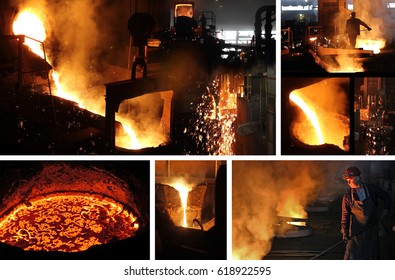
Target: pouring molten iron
[[321, 120], [29, 23]]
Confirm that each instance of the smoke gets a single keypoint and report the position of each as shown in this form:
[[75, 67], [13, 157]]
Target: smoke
[[260, 189], [377, 16], [80, 39], [87, 46], [373, 13], [329, 95], [328, 99], [264, 190]]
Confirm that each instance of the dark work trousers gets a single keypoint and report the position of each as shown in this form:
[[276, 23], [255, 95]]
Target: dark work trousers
[[363, 214]]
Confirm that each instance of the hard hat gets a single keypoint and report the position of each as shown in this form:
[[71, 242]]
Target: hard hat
[[351, 172]]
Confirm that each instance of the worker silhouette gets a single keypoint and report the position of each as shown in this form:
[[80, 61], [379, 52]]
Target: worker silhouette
[[353, 28]]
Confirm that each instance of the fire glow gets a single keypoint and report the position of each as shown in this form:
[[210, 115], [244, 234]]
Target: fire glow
[[289, 186], [311, 115], [70, 85], [323, 105], [30, 25], [183, 191], [66, 222], [371, 45]]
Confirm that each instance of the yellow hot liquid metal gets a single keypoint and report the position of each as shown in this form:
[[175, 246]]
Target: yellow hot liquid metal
[[67, 223]]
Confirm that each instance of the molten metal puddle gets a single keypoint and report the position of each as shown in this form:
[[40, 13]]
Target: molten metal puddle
[[68, 222]]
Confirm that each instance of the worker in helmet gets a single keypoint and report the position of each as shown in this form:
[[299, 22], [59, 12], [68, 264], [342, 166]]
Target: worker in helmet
[[353, 28], [360, 216]]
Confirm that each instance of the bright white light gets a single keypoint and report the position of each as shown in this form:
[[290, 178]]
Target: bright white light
[[297, 8]]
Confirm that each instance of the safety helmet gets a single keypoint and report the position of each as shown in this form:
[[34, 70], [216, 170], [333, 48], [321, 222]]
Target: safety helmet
[[351, 172]]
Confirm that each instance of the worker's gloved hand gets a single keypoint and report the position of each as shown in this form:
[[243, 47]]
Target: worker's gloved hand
[[346, 238], [369, 28]]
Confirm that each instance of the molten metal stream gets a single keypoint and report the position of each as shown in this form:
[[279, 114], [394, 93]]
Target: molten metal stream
[[310, 114], [183, 192], [29, 24]]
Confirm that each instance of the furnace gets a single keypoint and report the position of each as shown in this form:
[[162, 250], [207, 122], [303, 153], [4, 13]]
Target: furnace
[[71, 207]]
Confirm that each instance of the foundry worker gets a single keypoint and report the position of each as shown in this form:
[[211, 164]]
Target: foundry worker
[[360, 216], [353, 28]]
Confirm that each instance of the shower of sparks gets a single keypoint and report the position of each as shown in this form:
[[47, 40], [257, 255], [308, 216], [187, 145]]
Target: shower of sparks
[[213, 128]]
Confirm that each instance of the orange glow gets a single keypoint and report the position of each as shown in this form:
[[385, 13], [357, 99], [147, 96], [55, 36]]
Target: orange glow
[[300, 224], [67, 222], [290, 186], [346, 64], [69, 85], [324, 106], [291, 206], [311, 115], [147, 129], [183, 191], [59, 91], [370, 44], [30, 25]]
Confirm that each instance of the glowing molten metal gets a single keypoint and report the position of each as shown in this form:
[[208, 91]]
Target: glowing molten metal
[[183, 192], [30, 25], [322, 105], [67, 86], [311, 115], [66, 222], [371, 45]]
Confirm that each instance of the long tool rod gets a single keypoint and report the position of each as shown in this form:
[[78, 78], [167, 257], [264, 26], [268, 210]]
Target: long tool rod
[[342, 242]]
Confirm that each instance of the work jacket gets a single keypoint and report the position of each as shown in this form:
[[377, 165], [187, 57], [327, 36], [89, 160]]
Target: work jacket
[[360, 221]]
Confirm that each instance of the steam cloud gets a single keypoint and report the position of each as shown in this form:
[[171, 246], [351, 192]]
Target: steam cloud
[[87, 44], [261, 191], [329, 100], [375, 14], [79, 40]]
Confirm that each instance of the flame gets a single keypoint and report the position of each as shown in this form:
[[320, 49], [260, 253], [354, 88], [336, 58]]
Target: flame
[[346, 64], [312, 116], [29, 24], [129, 139], [59, 91], [289, 187], [66, 222], [371, 44]]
